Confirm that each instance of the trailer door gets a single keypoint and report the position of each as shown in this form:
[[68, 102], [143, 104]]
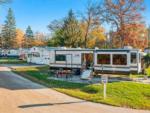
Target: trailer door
[[69, 60], [87, 59]]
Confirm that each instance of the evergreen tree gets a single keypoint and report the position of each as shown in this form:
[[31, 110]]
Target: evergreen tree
[[29, 37], [67, 32], [29, 32], [71, 30], [9, 31]]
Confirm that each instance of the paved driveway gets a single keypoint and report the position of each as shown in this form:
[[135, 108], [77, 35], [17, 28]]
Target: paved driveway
[[19, 95]]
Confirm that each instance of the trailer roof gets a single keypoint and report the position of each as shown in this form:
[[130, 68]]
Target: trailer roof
[[87, 49], [118, 50], [74, 49]]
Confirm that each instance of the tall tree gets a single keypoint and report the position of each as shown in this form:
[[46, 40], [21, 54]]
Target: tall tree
[[71, 30], [29, 32], [39, 39], [29, 37], [135, 36], [91, 20], [95, 38], [9, 30], [19, 38], [122, 12], [66, 32], [56, 29], [1, 3]]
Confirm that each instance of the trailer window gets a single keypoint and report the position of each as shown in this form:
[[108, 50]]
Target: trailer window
[[29, 55], [133, 58], [60, 57], [103, 59], [119, 59], [36, 54]]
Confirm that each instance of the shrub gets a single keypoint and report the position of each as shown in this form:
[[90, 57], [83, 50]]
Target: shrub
[[92, 89], [147, 71], [147, 60]]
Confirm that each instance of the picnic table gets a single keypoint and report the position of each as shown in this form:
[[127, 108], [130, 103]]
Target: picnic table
[[64, 74]]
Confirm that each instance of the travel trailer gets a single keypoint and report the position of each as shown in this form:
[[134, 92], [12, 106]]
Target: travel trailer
[[124, 60], [10, 53], [39, 55], [117, 60]]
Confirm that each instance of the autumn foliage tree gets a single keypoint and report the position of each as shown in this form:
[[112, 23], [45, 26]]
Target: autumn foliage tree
[[135, 35], [98, 37], [120, 14], [39, 39], [90, 22], [19, 38], [95, 37], [124, 16]]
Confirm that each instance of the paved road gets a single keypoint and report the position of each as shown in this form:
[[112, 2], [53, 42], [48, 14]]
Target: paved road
[[19, 95]]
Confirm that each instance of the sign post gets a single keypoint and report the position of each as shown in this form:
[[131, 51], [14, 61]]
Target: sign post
[[104, 80]]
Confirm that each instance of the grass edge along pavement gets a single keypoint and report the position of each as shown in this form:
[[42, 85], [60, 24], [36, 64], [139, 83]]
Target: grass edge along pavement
[[11, 61], [123, 94]]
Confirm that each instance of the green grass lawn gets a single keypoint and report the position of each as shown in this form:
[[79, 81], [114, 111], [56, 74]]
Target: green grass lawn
[[124, 94], [11, 61]]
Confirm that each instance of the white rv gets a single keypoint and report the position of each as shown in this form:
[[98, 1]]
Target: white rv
[[117, 60], [10, 53], [101, 60], [38, 55]]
